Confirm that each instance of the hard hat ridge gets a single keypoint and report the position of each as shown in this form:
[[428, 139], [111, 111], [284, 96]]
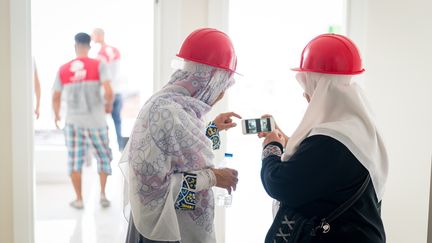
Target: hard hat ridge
[[331, 54], [211, 47]]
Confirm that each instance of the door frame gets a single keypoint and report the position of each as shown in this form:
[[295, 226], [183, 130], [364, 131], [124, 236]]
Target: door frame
[[21, 83]]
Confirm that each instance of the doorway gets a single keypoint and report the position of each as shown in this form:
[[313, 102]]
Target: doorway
[[128, 25]]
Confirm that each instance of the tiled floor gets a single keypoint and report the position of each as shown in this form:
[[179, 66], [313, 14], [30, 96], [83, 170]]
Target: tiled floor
[[57, 222]]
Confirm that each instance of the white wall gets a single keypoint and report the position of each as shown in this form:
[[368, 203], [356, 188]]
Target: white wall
[[16, 144], [174, 20], [397, 51], [6, 216]]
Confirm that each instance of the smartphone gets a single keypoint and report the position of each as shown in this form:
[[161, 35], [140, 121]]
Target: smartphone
[[252, 126]]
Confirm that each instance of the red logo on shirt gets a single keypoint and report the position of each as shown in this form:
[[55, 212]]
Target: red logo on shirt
[[109, 54], [80, 70]]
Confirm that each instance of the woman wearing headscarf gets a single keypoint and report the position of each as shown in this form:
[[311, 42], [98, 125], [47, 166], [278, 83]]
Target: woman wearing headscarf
[[168, 161], [333, 152]]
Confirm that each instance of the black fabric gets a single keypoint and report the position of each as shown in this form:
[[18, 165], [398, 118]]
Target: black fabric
[[291, 227], [319, 177]]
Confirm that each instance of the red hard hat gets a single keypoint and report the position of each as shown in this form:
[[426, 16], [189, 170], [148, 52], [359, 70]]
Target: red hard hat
[[332, 54], [211, 47]]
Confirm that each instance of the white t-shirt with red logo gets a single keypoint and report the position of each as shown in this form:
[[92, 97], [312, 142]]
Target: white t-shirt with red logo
[[111, 56], [80, 80]]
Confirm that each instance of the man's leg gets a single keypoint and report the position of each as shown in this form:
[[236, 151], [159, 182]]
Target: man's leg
[[75, 142], [116, 116], [76, 182], [100, 142], [103, 199], [103, 179]]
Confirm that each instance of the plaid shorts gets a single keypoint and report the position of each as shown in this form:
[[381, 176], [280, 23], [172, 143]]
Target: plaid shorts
[[78, 141]]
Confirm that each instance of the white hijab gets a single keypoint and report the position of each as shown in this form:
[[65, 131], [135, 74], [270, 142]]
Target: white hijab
[[168, 139], [338, 108]]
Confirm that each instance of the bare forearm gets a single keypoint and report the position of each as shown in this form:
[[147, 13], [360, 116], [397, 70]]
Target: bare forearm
[[37, 94], [56, 107], [56, 102], [37, 90], [109, 97]]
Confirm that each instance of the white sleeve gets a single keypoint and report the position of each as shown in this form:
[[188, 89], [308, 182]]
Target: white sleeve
[[104, 73], [205, 179], [57, 83]]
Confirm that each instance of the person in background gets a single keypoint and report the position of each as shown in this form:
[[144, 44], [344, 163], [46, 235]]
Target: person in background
[[335, 150], [81, 80], [168, 161], [37, 90], [111, 56]]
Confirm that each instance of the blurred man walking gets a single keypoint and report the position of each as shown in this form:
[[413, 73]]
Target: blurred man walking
[[111, 56], [81, 80]]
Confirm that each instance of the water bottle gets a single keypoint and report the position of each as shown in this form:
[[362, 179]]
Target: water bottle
[[224, 198]]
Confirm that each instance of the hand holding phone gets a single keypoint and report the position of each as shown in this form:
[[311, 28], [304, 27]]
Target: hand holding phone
[[264, 134], [275, 136], [257, 125]]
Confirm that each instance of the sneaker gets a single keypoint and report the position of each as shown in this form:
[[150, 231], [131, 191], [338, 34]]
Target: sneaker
[[78, 204], [104, 202]]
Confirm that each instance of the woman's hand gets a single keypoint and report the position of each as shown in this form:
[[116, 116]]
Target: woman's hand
[[264, 134], [224, 122], [226, 178], [275, 136]]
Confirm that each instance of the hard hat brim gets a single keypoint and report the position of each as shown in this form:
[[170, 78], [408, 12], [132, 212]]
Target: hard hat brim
[[327, 72]]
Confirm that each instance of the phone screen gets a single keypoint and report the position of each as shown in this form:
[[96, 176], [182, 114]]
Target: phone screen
[[257, 125]]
